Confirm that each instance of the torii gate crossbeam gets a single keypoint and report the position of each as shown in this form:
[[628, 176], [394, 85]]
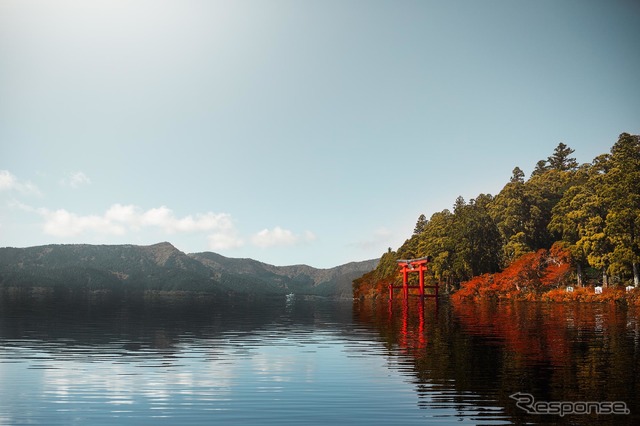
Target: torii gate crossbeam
[[413, 265]]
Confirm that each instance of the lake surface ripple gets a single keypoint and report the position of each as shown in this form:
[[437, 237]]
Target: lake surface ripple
[[312, 362]]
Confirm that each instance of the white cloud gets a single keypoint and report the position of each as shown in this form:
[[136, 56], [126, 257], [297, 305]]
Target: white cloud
[[280, 237], [61, 223], [124, 214], [75, 180], [9, 182], [119, 219], [163, 218]]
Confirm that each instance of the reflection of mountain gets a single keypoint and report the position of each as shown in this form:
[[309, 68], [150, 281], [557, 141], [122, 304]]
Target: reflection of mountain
[[128, 268], [481, 354], [150, 327]]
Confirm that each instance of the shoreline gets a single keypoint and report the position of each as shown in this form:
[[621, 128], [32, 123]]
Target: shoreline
[[585, 294]]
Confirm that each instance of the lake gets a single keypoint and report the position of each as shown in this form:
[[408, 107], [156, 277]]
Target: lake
[[313, 361]]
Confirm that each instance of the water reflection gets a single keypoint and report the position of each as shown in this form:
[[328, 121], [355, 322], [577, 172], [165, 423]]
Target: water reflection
[[195, 362], [311, 361], [474, 356]]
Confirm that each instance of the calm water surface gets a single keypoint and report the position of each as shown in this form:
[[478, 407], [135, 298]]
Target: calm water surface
[[312, 362]]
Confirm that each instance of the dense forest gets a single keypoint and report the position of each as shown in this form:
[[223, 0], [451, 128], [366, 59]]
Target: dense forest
[[586, 216]]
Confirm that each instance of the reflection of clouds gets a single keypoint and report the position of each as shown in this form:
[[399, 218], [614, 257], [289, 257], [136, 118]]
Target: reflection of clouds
[[269, 376], [279, 362], [123, 384], [274, 366]]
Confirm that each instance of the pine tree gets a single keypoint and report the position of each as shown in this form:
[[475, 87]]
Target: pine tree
[[621, 192], [420, 225], [561, 160]]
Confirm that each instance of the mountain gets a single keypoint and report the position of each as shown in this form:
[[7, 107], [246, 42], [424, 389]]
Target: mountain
[[162, 267], [116, 268], [248, 275]]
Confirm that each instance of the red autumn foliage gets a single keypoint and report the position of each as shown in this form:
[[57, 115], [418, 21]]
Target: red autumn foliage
[[587, 294], [526, 278]]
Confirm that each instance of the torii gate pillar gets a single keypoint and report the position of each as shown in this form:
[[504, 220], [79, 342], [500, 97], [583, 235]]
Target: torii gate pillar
[[413, 265]]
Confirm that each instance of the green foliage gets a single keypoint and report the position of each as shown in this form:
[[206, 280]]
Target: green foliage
[[592, 209], [561, 160], [420, 225]]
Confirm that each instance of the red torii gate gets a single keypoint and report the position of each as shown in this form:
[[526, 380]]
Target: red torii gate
[[413, 265]]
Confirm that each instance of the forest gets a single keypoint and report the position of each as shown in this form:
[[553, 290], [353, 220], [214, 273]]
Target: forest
[[568, 224]]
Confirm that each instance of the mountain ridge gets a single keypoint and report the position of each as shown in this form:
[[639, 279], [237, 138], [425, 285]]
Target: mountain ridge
[[334, 281], [163, 267]]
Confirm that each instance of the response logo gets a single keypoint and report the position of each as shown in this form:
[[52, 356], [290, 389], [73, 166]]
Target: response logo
[[526, 402]]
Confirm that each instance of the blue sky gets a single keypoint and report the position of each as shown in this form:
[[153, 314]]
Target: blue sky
[[290, 132]]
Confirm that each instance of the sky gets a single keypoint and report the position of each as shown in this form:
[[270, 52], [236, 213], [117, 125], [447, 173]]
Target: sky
[[293, 131]]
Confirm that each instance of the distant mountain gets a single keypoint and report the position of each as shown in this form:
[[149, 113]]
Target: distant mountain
[[162, 267], [251, 276], [117, 268]]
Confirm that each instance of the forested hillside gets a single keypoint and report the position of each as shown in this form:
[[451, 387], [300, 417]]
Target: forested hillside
[[251, 276], [590, 211], [117, 269], [120, 270]]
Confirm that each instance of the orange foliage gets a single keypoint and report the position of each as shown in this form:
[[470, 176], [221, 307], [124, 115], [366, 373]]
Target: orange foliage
[[540, 276], [633, 297], [525, 279], [587, 294]]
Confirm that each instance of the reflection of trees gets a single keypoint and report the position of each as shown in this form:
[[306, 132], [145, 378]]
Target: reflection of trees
[[138, 328], [479, 354], [432, 348]]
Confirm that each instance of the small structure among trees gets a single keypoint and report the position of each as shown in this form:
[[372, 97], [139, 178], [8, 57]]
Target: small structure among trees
[[413, 265]]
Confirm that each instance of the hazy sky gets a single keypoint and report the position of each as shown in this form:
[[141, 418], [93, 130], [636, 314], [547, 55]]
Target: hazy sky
[[294, 131]]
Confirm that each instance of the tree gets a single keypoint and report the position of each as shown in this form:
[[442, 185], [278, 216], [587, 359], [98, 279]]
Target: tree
[[621, 192], [561, 160], [421, 224], [476, 237], [437, 241], [510, 211], [568, 221], [517, 175], [541, 167], [590, 210], [543, 192]]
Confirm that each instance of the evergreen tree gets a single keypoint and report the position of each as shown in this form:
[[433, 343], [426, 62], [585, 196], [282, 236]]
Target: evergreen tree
[[437, 241], [517, 175], [590, 208], [543, 192], [561, 160], [476, 237], [421, 224], [510, 211], [541, 167], [568, 220], [621, 192]]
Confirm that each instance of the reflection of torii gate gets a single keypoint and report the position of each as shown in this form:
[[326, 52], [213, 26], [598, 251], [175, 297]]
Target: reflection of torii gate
[[413, 265]]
